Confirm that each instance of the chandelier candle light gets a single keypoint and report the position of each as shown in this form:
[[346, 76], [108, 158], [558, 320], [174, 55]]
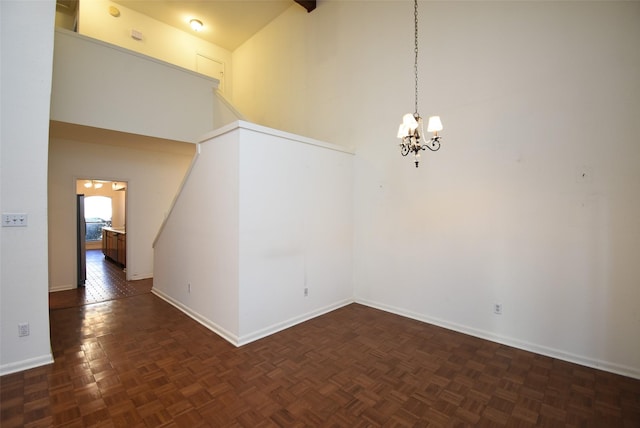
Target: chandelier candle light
[[411, 129]]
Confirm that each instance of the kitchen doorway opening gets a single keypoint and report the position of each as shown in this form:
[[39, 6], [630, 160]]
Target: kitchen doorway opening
[[102, 243]]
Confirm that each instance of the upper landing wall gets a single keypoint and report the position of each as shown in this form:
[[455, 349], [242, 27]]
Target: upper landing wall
[[104, 86]]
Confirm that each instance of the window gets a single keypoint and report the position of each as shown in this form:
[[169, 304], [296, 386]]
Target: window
[[97, 214]]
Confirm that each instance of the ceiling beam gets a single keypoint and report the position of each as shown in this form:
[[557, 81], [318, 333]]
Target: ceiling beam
[[307, 4]]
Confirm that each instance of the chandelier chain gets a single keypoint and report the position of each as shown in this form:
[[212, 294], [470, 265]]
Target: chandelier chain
[[415, 64]]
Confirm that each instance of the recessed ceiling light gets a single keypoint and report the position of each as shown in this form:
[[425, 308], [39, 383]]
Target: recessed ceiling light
[[196, 24]]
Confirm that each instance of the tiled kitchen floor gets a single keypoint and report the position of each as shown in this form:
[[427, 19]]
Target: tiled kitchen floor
[[105, 281]]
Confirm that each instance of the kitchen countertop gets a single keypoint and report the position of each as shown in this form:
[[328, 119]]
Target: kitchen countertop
[[115, 229]]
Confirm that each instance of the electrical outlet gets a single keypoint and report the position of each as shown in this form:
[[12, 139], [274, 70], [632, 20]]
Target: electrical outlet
[[497, 308], [23, 329], [306, 292]]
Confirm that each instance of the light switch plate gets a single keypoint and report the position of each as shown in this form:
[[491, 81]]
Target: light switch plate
[[14, 220]]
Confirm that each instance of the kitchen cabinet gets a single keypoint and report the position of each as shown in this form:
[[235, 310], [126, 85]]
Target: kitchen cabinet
[[121, 249], [114, 245]]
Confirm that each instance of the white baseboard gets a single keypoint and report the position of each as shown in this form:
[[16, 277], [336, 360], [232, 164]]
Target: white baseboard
[[256, 335], [509, 341], [140, 276], [63, 287], [31, 363], [220, 331]]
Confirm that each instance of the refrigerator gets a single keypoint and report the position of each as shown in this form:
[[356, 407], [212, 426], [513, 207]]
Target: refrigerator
[[81, 241]]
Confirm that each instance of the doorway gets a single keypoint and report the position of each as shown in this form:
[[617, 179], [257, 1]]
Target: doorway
[[212, 68], [102, 241]]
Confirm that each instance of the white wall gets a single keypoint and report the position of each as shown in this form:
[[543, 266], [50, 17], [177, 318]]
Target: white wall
[[296, 230], [153, 170], [104, 86], [98, 89], [522, 88], [532, 200], [196, 251], [25, 78], [160, 40], [258, 220]]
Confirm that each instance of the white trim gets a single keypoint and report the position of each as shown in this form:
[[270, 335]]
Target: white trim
[[509, 341], [140, 276], [228, 105], [275, 328], [270, 131], [30, 363], [63, 287], [256, 335], [220, 331], [177, 195]]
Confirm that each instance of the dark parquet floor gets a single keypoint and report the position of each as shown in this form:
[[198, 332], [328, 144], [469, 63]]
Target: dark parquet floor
[[139, 362]]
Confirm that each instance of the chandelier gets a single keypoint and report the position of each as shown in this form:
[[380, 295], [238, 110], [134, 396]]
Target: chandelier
[[411, 129]]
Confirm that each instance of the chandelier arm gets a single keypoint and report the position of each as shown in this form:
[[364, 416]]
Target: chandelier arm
[[433, 144], [404, 148]]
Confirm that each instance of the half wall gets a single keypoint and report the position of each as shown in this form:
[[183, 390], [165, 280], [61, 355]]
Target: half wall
[[260, 236]]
